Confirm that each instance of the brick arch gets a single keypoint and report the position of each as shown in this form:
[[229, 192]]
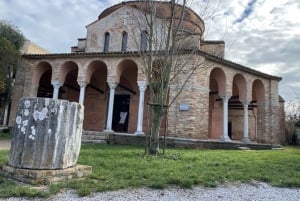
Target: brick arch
[[94, 67], [41, 80], [127, 69], [39, 70], [239, 87], [258, 91], [68, 77], [217, 81], [67, 67], [96, 96]]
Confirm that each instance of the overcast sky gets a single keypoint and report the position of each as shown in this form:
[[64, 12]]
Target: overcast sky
[[260, 34]]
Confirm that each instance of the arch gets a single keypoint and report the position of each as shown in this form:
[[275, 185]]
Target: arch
[[126, 97], [258, 91], [217, 81], [67, 67], [39, 70], [239, 87], [129, 67], [96, 96], [68, 76], [236, 107], [42, 79], [124, 41], [96, 65], [106, 41], [217, 88]]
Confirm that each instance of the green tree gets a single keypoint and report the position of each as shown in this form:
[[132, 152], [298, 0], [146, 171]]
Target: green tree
[[11, 42]]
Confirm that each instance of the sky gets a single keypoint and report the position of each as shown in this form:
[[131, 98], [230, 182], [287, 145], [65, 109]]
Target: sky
[[260, 34]]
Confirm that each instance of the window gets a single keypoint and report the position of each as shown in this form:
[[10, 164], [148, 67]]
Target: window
[[124, 41], [144, 40], [106, 42]]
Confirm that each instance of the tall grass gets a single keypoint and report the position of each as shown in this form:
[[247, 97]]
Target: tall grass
[[117, 167]]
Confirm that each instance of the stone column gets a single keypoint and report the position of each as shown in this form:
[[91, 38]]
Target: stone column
[[246, 123], [82, 92], [56, 85], [112, 86], [225, 136], [142, 87]]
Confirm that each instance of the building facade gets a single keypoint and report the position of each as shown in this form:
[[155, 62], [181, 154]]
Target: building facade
[[104, 72]]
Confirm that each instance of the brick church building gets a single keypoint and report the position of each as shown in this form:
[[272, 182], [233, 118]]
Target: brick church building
[[225, 101]]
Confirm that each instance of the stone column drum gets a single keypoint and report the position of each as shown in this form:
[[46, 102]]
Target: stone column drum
[[46, 134]]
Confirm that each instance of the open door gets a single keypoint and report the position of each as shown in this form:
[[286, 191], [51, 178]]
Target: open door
[[121, 113]]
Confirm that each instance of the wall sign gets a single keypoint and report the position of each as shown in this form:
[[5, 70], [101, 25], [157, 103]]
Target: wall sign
[[184, 107]]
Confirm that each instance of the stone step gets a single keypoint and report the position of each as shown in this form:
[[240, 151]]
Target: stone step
[[94, 133], [93, 137], [244, 148], [93, 141]]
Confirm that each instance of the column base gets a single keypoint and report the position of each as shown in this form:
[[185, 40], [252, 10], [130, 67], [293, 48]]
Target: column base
[[246, 140], [109, 131], [139, 133], [225, 139]]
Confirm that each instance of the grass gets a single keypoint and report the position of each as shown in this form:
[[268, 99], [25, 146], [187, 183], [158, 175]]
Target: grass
[[5, 136], [116, 167]]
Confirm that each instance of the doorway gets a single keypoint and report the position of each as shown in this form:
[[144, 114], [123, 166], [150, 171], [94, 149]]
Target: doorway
[[230, 130], [121, 113]]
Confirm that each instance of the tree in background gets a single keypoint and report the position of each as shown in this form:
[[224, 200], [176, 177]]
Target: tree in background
[[11, 42], [292, 110]]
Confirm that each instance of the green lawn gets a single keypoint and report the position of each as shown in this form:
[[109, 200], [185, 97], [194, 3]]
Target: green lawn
[[116, 167], [5, 136]]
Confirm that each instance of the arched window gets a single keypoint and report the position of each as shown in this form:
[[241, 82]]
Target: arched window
[[144, 40], [124, 41], [106, 42]]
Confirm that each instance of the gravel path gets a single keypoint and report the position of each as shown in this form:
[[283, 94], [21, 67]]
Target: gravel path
[[231, 192], [5, 144]]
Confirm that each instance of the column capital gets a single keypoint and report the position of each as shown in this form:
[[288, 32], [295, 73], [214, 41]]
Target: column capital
[[225, 97], [112, 85], [82, 83], [142, 85], [56, 83], [245, 102]]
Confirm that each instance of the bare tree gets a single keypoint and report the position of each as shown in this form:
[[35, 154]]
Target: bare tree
[[292, 110], [168, 47]]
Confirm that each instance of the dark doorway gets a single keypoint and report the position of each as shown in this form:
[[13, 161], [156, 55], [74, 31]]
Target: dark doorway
[[230, 130], [121, 113]]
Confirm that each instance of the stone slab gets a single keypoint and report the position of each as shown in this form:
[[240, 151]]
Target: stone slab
[[45, 177], [46, 134]]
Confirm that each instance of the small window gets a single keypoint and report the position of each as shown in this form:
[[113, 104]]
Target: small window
[[124, 41], [144, 40], [106, 42]]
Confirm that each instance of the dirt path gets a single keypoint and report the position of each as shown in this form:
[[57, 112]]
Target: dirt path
[[5, 144]]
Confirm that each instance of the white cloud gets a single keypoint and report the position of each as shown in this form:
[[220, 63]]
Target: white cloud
[[267, 39]]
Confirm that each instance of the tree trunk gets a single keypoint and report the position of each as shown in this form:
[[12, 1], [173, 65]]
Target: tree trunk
[[155, 127]]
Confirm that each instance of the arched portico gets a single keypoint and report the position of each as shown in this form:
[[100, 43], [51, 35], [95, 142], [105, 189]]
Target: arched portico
[[238, 109], [125, 105], [259, 111], [217, 89], [96, 96], [41, 80], [68, 78]]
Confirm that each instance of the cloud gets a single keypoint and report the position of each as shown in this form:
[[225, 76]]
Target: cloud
[[54, 25], [260, 34], [248, 10]]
